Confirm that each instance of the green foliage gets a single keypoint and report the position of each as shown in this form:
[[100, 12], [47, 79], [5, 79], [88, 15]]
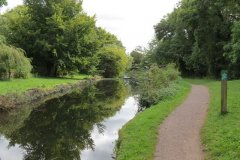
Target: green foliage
[[232, 51], [13, 63], [221, 134], [137, 57], [157, 84], [193, 36], [3, 2], [58, 36], [113, 61], [138, 138], [105, 38], [2, 39], [62, 34]]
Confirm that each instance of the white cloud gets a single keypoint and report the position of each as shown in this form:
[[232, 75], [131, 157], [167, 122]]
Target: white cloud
[[136, 18], [131, 20], [11, 4]]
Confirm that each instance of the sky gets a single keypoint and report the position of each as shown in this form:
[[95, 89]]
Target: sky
[[131, 21]]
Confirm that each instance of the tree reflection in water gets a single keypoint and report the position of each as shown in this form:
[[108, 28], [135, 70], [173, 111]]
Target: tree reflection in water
[[61, 128]]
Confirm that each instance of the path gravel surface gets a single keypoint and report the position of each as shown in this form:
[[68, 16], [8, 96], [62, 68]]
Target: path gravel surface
[[179, 134]]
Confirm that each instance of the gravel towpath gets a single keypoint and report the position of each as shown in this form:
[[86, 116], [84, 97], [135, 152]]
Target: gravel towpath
[[179, 134]]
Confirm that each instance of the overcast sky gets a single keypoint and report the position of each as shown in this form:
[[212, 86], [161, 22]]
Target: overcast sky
[[131, 20]]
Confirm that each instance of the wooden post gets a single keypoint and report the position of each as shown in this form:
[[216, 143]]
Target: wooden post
[[224, 97], [224, 93]]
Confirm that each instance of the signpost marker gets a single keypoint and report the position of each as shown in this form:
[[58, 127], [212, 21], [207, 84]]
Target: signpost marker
[[224, 78]]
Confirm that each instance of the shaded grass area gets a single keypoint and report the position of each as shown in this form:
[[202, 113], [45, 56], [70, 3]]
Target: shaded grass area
[[221, 134], [138, 138], [21, 85]]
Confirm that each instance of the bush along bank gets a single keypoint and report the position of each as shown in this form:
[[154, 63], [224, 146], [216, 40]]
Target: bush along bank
[[163, 92], [38, 95], [13, 63], [155, 84]]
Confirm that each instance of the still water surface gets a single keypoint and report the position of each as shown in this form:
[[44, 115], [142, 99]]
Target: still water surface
[[78, 126]]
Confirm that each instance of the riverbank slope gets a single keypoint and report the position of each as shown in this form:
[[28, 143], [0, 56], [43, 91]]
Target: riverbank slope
[[21, 85], [20, 92]]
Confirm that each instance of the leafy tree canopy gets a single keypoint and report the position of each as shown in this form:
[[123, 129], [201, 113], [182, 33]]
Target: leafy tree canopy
[[58, 36], [113, 61], [13, 63], [195, 34]]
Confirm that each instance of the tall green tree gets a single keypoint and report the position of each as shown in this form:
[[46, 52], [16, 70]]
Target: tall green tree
[[194, 35], [62, 35], [58, 36], [232, 51], [137, 56], [113, 61]]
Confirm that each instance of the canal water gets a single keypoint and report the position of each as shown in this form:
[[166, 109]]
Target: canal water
[[78, 126]]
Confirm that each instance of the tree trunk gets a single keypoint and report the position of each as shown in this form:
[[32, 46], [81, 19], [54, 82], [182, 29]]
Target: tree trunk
[[9, 73], [53, 71]]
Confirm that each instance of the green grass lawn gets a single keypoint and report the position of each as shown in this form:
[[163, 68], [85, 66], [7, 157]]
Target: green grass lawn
[[138, 138], [221, 134], [20, 85]]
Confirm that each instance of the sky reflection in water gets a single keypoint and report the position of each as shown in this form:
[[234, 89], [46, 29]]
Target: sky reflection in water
[[104, 143], [66, 127]]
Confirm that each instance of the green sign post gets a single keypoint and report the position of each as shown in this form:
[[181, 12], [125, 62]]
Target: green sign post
[[224, 78]]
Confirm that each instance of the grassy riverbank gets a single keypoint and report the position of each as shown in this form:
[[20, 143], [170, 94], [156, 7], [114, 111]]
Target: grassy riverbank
[[21, 85], [138, 138], [221, 134]]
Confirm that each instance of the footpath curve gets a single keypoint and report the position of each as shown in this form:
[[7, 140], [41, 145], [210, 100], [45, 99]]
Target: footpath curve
[[179, 134]]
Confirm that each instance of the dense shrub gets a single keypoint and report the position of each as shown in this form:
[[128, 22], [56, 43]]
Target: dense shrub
[[13, 63], [157, 84]]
